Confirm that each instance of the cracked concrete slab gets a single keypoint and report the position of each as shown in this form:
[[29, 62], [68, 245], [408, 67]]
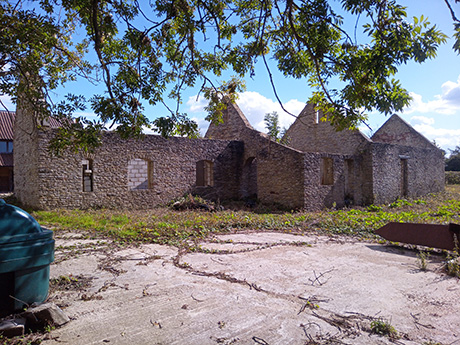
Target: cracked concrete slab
[[255, 288]]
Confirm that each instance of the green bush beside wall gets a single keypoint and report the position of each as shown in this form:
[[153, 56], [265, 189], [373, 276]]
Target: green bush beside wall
[[452, 177]]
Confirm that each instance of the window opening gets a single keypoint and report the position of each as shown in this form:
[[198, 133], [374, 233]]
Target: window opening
[[327, 171], [6, 146], [249, 179], [204, 173], [87, 174], [6, 179], [349, 181], [404, 177]]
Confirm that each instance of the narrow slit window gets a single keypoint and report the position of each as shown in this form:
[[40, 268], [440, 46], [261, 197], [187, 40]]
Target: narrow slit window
[[404, 185], [327, 171], [87, 175]]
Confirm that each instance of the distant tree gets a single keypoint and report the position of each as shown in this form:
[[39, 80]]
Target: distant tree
[[274, 130], [284, 138], [453, 162], [272, 125]]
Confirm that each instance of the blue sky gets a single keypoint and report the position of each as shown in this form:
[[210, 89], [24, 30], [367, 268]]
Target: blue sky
[[434, 86]]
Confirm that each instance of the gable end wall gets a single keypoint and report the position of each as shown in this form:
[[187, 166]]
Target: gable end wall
[[425, 172], [308, 135]]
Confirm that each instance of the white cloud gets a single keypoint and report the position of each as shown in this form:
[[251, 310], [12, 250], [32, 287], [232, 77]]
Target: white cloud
[[148, 130], [202, 124], [451, 92], [445, 138], [421, 120], [448, 102], [254, 106], [196, 105]]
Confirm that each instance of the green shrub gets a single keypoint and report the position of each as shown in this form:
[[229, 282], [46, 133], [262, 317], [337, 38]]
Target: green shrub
[[452, 177]]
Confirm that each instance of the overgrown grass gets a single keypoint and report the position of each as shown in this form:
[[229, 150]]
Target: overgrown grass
[[166, 226]]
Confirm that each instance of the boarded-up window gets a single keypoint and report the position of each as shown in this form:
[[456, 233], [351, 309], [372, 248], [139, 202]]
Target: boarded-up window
[[139, 174], [204, 173], [87, 175], [327, 171]]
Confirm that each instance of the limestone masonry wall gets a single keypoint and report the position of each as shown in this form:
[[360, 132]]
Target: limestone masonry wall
[[397, 131], [309, 134], [321, 167], [403, 171], [160, 170], [26, 182]]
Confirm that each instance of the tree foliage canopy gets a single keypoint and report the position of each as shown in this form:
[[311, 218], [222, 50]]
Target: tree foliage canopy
[[453, 162], [149, 53], [272, 124]]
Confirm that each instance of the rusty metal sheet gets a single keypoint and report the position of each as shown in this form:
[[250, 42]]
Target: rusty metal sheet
[[429, 235]]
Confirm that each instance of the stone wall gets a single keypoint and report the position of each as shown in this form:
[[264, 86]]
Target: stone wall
[[235, 161], [234, 125], [397, 162], [349, 185], [309, 134], [271, 172], [318, 195], [26, 180], [279, 175], [403, 171], [285, 176], [171, 164], [397, 131]]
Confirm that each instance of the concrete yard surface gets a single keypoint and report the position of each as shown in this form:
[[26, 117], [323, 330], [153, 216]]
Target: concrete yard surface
[[251, 288]]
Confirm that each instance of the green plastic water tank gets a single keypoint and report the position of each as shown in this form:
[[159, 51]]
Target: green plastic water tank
[[26, 251]]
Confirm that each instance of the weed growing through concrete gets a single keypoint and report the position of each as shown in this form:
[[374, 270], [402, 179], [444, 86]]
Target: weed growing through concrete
[[384, 328], [453, 265], [423, 257], [70, 282]]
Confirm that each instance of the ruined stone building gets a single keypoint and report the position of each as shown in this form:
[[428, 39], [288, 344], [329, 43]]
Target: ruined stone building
[[396, 161], [321, 167]]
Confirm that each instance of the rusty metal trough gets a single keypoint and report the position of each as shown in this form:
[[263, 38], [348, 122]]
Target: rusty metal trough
[[429, 235]]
